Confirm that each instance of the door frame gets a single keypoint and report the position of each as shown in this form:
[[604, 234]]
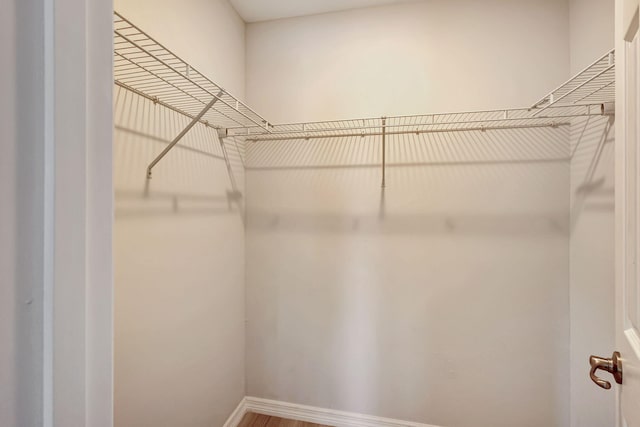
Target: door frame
[[78, 213]]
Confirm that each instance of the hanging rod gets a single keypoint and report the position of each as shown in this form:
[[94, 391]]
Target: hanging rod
[[421, 124], [163, 104], [410, 132]]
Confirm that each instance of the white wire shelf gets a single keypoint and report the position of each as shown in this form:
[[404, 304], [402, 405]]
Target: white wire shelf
[[585, 94], [593, 85], [144, 66], [429, 123]]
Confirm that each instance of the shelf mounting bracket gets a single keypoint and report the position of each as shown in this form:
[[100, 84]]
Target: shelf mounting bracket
[[193, 122]]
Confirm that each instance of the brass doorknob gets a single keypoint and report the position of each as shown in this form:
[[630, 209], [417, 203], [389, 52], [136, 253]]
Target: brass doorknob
[[613, 366]]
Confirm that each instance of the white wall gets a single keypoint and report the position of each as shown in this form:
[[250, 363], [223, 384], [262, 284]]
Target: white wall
[[592, 226], [179, 250], [407, 59], [21, 213], [443, 299]]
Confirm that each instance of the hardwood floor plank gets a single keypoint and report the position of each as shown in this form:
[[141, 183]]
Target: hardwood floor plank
[[247, 420], [257, 420], [254, 420], [276, 422]]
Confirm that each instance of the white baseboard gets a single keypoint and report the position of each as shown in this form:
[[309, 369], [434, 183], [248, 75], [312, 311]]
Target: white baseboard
[[312, 414], [236, 416]]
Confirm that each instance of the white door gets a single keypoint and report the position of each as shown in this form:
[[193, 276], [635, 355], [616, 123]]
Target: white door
[[628, 212]]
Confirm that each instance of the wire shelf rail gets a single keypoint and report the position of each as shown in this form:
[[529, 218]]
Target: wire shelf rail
[[589, 93], [593, 85], [147, 68], [417, 124]]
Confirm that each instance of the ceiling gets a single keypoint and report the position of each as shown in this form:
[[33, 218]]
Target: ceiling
[[266, 10]]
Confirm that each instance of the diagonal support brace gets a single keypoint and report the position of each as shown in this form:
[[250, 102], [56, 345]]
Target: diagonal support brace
[[193, 122]]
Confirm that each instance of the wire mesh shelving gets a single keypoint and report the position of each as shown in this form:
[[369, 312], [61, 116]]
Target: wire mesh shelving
[[147, 68]]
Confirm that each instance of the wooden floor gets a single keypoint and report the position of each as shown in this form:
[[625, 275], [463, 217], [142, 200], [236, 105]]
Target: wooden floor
[[256, 420]]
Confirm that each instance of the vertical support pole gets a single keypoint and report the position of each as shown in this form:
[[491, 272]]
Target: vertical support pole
[[384, 151]]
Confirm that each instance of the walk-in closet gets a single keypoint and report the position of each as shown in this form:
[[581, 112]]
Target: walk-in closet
[[364, 213]]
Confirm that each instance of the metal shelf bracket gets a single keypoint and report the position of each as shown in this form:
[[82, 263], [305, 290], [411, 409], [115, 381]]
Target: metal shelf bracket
[[177, 139]]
